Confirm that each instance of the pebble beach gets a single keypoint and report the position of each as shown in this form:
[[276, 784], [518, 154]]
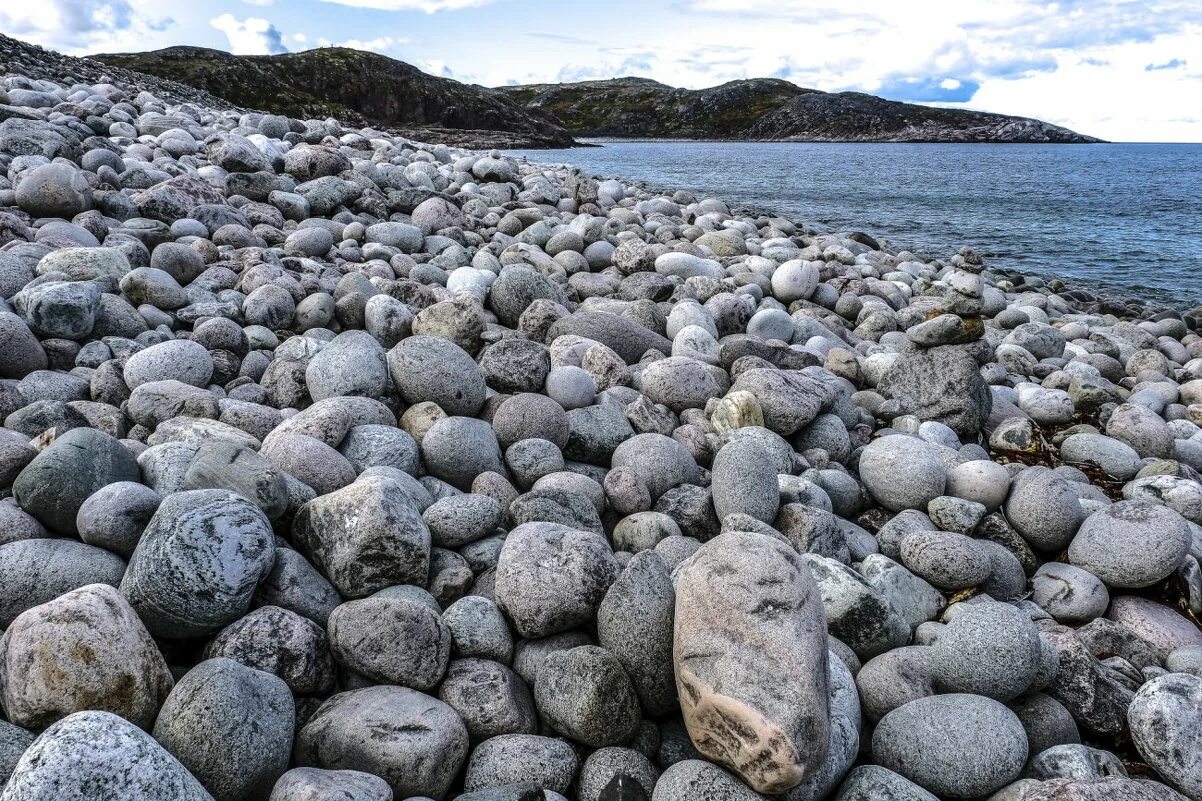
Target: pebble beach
[[336, 466]]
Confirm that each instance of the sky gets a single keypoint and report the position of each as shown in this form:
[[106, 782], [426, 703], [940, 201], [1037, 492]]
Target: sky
[[1124, 70]]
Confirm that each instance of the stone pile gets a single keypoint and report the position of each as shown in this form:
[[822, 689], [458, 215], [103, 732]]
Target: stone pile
[[338, 466]]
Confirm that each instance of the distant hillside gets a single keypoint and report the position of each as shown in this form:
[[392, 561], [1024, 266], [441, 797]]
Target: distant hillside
[[768, 109], [640, 107], [351, 85]]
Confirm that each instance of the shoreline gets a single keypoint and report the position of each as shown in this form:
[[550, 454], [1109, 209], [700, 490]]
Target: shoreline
[[1101, 290]]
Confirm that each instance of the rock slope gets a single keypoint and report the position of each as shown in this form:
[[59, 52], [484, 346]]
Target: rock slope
[[336, 465], [352, 85], [772, 110]]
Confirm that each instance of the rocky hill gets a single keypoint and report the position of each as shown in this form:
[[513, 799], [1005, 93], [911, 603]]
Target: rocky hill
[[768, 109], [354, 86], [638, 107]]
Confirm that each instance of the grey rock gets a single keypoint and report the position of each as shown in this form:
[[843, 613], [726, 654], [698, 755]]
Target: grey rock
[[1166, 726], [20, 351], [491, 699], [279, 642], [856, 613], [365, 537], [635, 623], [551, 578], [957, 745], [1071, 595], [114, 516], [426, 368], [1047, 722], [102, 658], [659, 462], [605, 765], [679, 383], [583, 693], [55, 484], [1043, 508], [942, 384], [197, 565], [391, 640], [947, 560], [353, 363], [1131, 544], [744, 481], [97, 756], [36, 571], [750, 597], [414, 742], [789, 399], [885, 459], [512, 758], [696, 778], [478, 629], [458, 449], [314, 784], [295, 585], [872, 782], [628, 339], [990, 649], [230, 726]]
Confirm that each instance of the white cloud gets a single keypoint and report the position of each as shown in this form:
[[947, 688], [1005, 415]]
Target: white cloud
[[380, 44], [427, 6], [80, 27], [250, 36], [258, 2]]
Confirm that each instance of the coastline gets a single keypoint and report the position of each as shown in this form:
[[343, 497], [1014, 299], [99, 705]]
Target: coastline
[[1153, 300]]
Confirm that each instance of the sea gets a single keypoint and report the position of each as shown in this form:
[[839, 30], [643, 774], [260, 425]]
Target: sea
[[1125, 219]]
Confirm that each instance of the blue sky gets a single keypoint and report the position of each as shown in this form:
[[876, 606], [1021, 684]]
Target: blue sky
[[1127, 70]]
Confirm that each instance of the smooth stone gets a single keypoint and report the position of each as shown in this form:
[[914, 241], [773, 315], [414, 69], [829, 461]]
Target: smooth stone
[[762, 708], [230, 726], [956, 745], [97, 756], [412, 741], [198, 563], [86, 649]]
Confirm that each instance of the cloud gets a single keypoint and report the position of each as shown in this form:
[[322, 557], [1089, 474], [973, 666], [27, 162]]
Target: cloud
[[79, 26], [426, 6], [381, 44], [251, 36], [258, 2], [1171, 64]]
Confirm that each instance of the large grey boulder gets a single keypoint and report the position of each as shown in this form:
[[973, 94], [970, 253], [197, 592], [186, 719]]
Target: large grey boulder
[[1131, 544], [412, 741], [635, 623], [198, 563], [1166, 725], [353, 363], [552, 578], [97, 756], [744, 481], [230, 726], [84, 650], [762, 709], [942, 384], [365, 537], [314, 784], [36, 571], [957, 745], [59, 479]]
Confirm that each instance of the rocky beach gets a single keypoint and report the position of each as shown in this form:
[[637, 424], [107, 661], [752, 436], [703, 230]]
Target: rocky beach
[[337, 466]]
